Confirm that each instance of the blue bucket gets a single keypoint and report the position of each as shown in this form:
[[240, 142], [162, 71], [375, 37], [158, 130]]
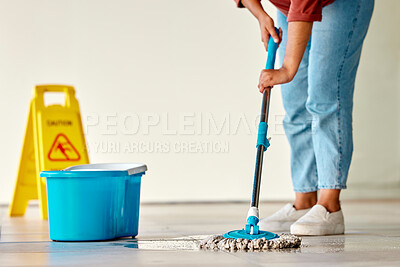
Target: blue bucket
[[94, 201]]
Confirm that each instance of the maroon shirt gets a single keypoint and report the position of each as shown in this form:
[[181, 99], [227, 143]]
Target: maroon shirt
[[299, 10]]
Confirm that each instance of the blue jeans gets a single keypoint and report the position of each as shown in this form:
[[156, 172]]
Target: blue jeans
[[319, 101]]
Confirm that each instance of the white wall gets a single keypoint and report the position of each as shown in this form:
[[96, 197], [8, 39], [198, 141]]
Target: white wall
[[177, 62], [375, 171]]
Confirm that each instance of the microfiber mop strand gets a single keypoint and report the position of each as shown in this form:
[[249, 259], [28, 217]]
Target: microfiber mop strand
[[218, 242]]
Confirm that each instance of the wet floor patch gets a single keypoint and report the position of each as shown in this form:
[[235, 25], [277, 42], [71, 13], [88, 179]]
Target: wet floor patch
[[164, 245], [181, 243]]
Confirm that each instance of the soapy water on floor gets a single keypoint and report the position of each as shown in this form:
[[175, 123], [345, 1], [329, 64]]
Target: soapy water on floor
[[285, 243], [165, 244], [180, 243]]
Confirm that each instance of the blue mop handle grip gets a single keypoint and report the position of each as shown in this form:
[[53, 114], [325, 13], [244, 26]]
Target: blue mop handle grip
[[272, 48], [262, 139], [263, 126]]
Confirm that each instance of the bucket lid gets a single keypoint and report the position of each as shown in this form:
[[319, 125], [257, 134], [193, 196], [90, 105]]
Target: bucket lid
[[98, 169]]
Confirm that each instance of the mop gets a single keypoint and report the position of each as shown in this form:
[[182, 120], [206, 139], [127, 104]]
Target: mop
[[251, 237]]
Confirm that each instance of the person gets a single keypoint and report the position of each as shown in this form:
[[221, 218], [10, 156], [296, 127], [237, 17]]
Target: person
[[319, 53]]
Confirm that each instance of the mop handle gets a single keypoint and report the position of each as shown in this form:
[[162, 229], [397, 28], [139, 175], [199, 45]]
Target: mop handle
[[262, 141]]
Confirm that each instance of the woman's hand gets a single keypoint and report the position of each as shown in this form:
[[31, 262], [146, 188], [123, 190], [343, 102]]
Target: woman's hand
[[269, 78], [267, 28]]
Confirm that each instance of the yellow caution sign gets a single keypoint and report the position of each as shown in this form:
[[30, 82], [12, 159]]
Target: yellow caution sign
[[54, 140]]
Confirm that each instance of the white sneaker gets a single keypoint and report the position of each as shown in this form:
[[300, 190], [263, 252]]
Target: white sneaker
[[318, 221], [281, 220]]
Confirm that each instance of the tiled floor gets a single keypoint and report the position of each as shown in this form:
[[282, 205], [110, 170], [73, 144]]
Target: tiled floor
[[169, 234]]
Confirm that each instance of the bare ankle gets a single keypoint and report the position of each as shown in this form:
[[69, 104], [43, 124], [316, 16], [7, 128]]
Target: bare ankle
[[305, 200], [303, 205], [330, 206], [329, 198]]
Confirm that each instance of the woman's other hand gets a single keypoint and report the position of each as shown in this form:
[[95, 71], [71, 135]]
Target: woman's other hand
[[269, 78]]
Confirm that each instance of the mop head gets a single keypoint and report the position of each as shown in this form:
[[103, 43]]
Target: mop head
[[219, 242], [250, 238]]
